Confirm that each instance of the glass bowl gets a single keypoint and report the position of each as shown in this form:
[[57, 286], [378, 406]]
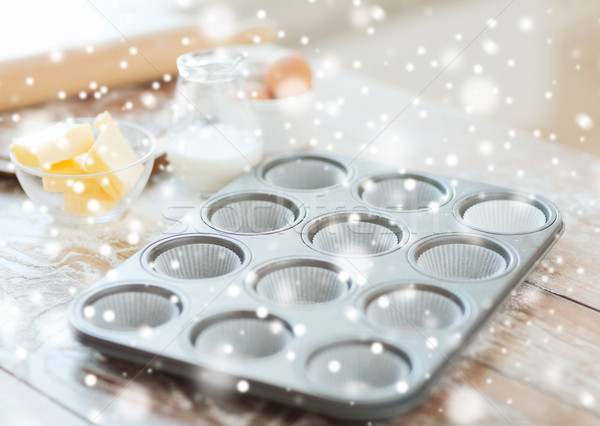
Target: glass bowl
[[79, 200]]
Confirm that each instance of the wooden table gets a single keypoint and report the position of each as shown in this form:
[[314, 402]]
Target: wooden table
[[535, 363]]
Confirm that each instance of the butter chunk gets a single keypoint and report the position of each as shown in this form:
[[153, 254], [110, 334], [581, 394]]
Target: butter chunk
[[85, 197], [111, 152], [72, 166], [53, 144], [102, 120]]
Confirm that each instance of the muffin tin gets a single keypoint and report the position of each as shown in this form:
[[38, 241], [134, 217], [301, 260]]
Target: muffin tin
[[342, 287]]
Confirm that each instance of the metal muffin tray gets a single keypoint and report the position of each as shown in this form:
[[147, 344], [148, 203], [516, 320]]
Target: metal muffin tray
[[346, 290]]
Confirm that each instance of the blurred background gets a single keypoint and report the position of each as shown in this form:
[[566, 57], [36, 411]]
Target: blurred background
[[532, 64]]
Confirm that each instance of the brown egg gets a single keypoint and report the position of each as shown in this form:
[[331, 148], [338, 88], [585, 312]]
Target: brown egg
[[288, 74], [257, 89]]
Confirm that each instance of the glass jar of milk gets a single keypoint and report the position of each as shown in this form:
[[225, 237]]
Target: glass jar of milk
[[213, 136]]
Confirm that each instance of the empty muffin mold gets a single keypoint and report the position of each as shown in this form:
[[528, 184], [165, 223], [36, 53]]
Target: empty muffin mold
[[304, 172], [325, 283], [413, 307], [462, 257], [300, 281], [505, 212], [131, 307], [253, 213], [404, 191], [240, 335], [192, 257], [358, 369], [355, 234]]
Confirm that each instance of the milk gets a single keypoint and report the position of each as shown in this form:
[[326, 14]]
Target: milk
[[206, 158]]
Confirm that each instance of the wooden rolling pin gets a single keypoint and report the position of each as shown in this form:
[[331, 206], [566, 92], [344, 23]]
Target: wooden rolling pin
[[148, 57]]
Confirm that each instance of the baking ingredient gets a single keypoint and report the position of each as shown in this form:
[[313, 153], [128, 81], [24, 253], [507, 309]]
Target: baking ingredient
[[209, 157], [73, 166], [213, 135], [110, 152], [103, 120], [288, 73], [51, 145], [71, 160], [257, 89], [85, 197]]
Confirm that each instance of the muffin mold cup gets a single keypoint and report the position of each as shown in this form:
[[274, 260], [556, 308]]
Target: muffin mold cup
[[462, 257], [240, 336], [128, 312], [299, 282], [342, 307], [505, 212], [400, 307], [304, 172], [190, 257], [404, 191], [352, 234], [253, 213], [358, 369]]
